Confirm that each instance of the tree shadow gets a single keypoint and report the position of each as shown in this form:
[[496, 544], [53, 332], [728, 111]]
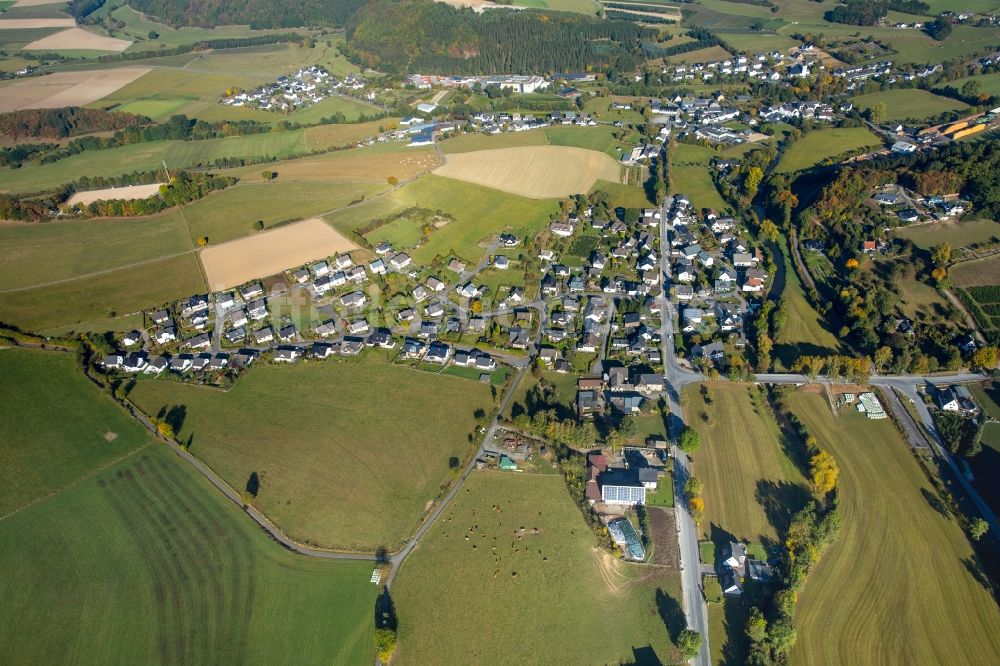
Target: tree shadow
[[721, 538], [781, 500], [975, 567], [385, 611], [936, 503], [253, 484], [175, 417], [671, 613], [643, 656], [735, 619]]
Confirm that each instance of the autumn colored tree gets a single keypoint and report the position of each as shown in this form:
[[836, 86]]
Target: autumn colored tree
[[696, 506], [823, 470], [769, 230], [941, 254], [751, 182], [985, 358], [882, 358]]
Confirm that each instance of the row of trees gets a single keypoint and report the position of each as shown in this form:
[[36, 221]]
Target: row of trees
[[183, 188]]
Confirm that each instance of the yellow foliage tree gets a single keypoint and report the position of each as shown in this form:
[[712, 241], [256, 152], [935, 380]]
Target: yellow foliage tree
[[852, 263], [696, 506], [824, 471]]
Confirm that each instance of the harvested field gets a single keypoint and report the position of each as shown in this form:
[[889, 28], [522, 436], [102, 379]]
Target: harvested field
[[271, 252], [978, 272], [35, 3], [29, 23], [77, 39], [66, 88], [109, 193], [539, 172], [900, 584]]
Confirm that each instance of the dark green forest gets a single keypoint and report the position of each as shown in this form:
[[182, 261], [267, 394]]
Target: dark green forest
[[422, 35], [255, 13]]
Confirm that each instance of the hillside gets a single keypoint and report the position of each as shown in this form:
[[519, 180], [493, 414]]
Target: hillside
[[255, 13], [422, 35]]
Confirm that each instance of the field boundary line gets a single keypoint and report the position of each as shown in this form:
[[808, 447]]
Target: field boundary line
[[85, 276], [97, 470]]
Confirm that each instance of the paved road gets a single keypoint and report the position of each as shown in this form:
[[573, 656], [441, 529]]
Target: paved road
[[675, 378]]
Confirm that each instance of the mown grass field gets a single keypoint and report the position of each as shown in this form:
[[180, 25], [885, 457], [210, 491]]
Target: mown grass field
[[751, 485], [98, 301], [57, 426], [903, 103], [534, 596], [817, 146], [599, 138], [622, 195], [479, 212], [146, 564], [150, 157], [959, 234], [895, 587], [804, 332], [696, 184], [40, 253], [232, 213], [330, 473], [465, 143]]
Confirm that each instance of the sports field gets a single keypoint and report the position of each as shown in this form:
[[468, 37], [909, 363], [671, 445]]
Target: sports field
[[57, 426], [145, 563], [540, 172], [537, 590], [331, 473], [819, 145], [268, 253], [72, 306], [752, 486], [895, 587], [479, 213], [903, 103], [66, 88]]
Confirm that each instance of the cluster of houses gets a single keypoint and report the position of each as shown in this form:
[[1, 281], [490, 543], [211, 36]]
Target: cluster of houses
[[734, 567], [518, 83], [623, 480], [910, 207], [774, 66], [307, 86]]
